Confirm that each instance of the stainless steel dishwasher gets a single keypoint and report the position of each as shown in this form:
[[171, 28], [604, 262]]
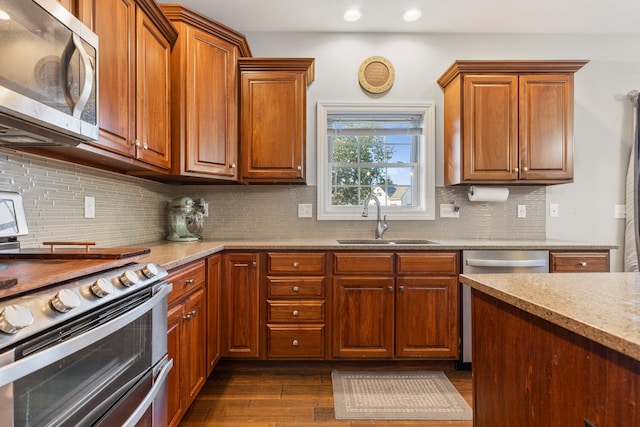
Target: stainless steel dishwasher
[[494, 261]]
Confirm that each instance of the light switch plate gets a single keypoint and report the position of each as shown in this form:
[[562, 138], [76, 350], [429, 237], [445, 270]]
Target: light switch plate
[[305, 210], [522, 211], [620, 211], [554, 210], [89, 207]]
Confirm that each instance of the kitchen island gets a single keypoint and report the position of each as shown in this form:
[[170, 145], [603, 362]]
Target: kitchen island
[[556, 349]]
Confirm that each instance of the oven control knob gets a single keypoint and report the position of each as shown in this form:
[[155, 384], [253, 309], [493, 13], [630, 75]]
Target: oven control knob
[[129, 278], [65, 300], [15, 317], [150, 271], [102, 287]]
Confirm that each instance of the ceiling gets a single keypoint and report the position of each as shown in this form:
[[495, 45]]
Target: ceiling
[[441, 16]]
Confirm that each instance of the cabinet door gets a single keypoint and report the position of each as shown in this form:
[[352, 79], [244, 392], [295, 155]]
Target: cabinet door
[[363, 321], [546, 127], [175, 403], [195, 339], [241, 305], [273, 126], [427, 317], [211, 128], [490, 128], [214, 269], [114, 23], [153, 130]]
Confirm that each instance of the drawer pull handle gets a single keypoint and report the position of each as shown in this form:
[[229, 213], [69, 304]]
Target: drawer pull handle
[[296, 288], [296, 313], [189, 282], [296, 264], [583, 263], [295, 343]]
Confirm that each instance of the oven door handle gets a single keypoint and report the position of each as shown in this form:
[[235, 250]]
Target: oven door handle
[[28, 365], [158, 384]]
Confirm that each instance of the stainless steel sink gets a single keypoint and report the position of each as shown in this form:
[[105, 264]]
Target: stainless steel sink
[[387, 242]]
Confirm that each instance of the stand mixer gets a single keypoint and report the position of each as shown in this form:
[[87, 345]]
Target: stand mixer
[[185, 220]]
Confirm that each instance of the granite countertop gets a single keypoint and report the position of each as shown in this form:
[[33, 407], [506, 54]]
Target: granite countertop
[[603, 307], [174, 254]]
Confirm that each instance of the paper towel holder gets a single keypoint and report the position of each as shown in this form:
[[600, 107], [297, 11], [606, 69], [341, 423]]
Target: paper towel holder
[[487, 194]]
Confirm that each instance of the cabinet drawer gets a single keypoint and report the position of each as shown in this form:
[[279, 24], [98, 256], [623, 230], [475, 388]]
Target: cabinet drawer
[[295, 342], [296, 263], [186, 279], [363, 263], [428, 263], [295, 312], [578, 262], [295, 287]]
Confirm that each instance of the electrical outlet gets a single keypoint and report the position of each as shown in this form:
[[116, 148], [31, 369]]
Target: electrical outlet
[[89, 207], [522, 211], [305, 210], [449, 211], [554, 210], [620, 211]]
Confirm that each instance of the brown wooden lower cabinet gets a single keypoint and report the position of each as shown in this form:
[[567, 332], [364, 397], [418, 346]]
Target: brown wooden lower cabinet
[[241, 305], [579, 262], [186, 337], [529, 372], [408, 309]]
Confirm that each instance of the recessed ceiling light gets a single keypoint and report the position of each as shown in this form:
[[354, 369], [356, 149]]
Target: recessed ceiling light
[[411, 15], [352, 15], [4, 16]]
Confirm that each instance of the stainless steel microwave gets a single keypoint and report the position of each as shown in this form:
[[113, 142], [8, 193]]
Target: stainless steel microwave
[[48, 75]]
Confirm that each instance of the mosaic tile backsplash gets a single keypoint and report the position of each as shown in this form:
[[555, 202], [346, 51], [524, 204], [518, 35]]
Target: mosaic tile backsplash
[[132, 211]]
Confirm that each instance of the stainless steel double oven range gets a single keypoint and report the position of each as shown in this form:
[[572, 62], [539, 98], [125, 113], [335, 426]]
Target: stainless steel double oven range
[[87, 350]]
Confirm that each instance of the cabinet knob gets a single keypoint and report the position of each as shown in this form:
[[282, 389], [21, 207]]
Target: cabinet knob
[[583, 263], [187, 317], [254, 264], [390, 288], [296, 288], [525, 169], [296, 264], [232, 165], [296, 313], [145, 146], [189, 282], [516, 170], [299, 168], [401, 288], [192, 313], [295, 342], [136, 143]]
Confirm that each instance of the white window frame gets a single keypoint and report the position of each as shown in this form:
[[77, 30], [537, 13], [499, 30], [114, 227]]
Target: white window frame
[[424, 209]]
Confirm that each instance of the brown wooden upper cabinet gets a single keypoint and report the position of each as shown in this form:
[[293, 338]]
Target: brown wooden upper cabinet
[[134, 86], [273, 106], [509, 121], [204, 84]]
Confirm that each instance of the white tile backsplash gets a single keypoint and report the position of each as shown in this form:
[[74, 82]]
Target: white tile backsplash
[[131, 211]]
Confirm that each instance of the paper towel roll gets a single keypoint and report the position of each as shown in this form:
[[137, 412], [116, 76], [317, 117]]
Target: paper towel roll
[[488, 194]]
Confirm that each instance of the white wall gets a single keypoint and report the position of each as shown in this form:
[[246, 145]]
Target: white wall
[[603, 114]]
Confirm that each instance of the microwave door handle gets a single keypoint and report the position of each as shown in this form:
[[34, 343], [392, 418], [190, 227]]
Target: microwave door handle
[[158, 383], [76, 44], [30, 364]]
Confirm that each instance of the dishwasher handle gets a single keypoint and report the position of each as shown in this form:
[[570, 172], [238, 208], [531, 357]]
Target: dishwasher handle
[[507, 263]]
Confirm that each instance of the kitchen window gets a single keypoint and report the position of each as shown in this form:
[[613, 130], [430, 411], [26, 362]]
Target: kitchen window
[[386, 149]]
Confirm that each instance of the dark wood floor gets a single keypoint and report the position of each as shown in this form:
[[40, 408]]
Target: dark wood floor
[[288, 394]]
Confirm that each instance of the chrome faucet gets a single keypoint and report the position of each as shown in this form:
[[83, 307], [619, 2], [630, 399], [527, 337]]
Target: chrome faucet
[[380, 226]]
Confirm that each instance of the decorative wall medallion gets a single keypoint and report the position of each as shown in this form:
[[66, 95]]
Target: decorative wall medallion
[[376, 74]]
